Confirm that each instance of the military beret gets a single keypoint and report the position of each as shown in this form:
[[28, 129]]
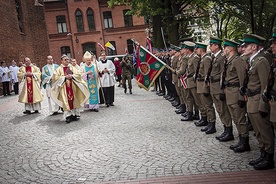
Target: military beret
[[215, 40], [201, 45], [252, 38], [273, 34], [230, 43]]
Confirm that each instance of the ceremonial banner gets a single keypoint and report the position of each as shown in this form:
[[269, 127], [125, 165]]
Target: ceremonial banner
[[109, 45], [148, 68]]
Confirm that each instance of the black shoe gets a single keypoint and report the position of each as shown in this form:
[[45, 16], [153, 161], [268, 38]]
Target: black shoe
[[107, 105], [228, 136], [266, 163], [130, 92], [202, 122], [223, 133], [258, 160], [95, 110], [171, 99], [211, 129], [75, 118], [125, 90], [111, 104], [189, 117], [236, 145], [205, 128], [196, 117], [27, 112], [243, 146], [184, 114], [68, 119], [161, 94], [55, 113]]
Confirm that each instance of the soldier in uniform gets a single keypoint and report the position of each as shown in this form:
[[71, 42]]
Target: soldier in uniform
[[258, 70], [175, 62], [216, 92], [269, 95], [192, 96], [232, 79], [204, 90]]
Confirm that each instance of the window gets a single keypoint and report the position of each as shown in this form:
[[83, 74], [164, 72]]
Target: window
[[91, 47], [127, 18], [110, 51], [61, 24], [79, 20], [65, 50], [90, 19], [130, 46], [107, 19], [19, 15]]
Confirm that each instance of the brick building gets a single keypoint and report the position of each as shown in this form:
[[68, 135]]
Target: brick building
[[23, 32], [75, 26]]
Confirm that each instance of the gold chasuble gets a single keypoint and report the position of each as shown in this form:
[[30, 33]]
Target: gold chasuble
[[29, 86], [68, 93]]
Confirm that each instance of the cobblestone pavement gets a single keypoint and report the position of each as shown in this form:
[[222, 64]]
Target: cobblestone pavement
[[140, 137]]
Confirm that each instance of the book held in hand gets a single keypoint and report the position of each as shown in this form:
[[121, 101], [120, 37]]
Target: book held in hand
[[68, 71]]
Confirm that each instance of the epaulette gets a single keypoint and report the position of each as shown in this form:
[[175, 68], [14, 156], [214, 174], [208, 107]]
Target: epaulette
[[196, 56], [208, 56]]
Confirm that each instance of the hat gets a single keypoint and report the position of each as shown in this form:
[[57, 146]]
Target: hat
[[215, 40], [87, 55], [188, 45], [200, 45], [177, 49], [116, 59], [240, 42], [230, 43], [252, 38], [273, 34]]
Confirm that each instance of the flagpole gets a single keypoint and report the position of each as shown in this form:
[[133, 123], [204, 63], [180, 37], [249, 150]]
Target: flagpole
[[162, 32], [167, 66]]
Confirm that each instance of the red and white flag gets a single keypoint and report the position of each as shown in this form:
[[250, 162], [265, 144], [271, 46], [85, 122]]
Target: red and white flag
[[103, 48], [183, 82]]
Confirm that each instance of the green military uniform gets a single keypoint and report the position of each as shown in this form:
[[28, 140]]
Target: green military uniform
[[258, 71], [192, 96], [126, 74], [218, 94], [234, 78], [204, 91]]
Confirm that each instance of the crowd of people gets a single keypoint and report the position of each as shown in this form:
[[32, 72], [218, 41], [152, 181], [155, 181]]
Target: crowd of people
[[236, 80], [69, 87]]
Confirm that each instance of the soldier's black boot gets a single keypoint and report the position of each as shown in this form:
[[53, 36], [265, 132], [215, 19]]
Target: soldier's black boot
[[184, 114], [202, 122], [258, 160], [125, 90], [228, 136], [206, 128], [196, 115], [189, 117], [130, 92], [236, 145], [223, 133], [178, 107], [181, 110], [211, 129], [266, 163], [244, 145]]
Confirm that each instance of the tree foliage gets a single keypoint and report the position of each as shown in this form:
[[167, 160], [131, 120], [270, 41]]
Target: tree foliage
[[224, 18]]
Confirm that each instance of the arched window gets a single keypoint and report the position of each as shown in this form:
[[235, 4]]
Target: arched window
[[79, 21], [90, 19]]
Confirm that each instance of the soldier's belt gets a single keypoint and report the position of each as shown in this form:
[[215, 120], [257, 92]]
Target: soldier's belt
[[214, 80], [251, 93], [200, 79], [190, 75], [231, 84]]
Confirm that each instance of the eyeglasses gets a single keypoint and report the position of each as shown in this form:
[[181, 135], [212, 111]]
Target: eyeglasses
[[66, 59]]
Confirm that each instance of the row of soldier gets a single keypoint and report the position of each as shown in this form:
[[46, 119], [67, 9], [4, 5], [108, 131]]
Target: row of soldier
[[236, 80], [69, 87]]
